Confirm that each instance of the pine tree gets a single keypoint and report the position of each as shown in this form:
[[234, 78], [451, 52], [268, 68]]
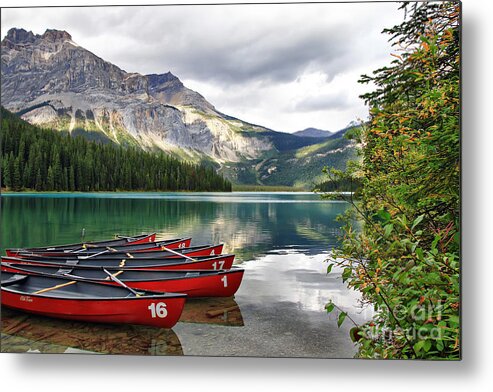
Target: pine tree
[[17, 176], [39, 184], [6, 177], [47, 160], [50, 179], [71, 181]]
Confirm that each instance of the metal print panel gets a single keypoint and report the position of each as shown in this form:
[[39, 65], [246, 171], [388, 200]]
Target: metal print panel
[[262, 180]]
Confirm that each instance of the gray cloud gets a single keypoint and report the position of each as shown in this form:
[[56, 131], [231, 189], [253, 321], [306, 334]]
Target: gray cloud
[[224, 44], [211, 45], [324, 102], [252, 49]]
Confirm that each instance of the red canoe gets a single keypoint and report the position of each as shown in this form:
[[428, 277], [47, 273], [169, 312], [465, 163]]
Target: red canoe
[[194, 283], [87, 301], [204, 250], [172, 263], [122, 241], [176, 243]]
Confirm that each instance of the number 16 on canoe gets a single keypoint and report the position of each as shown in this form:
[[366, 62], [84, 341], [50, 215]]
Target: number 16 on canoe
[[75, 299], [158, 310]]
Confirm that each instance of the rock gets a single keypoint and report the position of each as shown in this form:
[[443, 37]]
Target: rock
[[56, 35], [17, 36], [54, 82]]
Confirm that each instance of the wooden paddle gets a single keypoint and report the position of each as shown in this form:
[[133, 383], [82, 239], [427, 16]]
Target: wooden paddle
[[78, 250], [82, 249], [115, 279], [85, 246], [177, 253], [59, 286], [95, 254], [125, 237], [129, 255], [115, 274]]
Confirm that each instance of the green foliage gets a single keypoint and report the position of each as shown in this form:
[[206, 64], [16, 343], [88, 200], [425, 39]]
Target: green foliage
[[287, 142], [44, 160], [406, 259], [338, 181], [295, 168], [266, 188]]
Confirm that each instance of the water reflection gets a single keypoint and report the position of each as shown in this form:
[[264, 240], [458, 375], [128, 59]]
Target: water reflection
[[23, 333], [250, 228], [218, 311], [298, 279]]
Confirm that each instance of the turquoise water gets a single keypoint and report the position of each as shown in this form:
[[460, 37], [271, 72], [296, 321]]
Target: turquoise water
[[281, 239]]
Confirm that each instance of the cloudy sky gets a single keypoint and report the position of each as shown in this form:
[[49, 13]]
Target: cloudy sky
[[283, 66]]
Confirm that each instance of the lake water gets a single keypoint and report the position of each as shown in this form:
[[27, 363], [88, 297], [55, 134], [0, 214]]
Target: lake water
[[280, 239]]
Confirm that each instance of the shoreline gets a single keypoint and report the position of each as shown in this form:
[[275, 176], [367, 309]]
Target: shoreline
[[253, 189]]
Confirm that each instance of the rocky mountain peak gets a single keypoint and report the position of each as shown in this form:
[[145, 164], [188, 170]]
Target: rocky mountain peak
[[56, 35], [159, 79], [51, 81], [313, 132], [19, 36], [168, 89]]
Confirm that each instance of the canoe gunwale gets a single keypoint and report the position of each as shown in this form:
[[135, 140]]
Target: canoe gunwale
[[151, 295], [122, 253], [61, 247], [201, 273], [172, 261], [88, 251], [85, 283]]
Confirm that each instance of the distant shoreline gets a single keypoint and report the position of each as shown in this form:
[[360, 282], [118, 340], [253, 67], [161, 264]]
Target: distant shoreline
[[267, 188], [237, 188]]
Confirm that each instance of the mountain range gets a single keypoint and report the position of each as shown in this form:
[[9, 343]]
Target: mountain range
[[313, 132], [51, 81]]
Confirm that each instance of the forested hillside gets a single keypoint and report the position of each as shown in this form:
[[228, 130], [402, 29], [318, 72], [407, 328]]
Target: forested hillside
[[45, 160]]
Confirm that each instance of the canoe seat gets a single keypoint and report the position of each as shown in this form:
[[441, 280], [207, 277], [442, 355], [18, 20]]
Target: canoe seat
[[64, 271], [72, 262], [13, 280]]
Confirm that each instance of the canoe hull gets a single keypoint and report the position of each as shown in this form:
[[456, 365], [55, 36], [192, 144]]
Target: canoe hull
[[194, 283], [221, 285], [150, 238], [177, 244], [144, 239], [223, 262], [157, 253], [128, 311]]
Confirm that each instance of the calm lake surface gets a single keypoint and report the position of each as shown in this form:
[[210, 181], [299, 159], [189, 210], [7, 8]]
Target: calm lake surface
[[280, 239]]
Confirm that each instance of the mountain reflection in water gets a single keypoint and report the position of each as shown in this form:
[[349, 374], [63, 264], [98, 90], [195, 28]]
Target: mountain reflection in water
[[248, 224], [22, 333]]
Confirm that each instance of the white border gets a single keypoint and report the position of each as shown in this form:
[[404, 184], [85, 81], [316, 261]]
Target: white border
[[119, 373]]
